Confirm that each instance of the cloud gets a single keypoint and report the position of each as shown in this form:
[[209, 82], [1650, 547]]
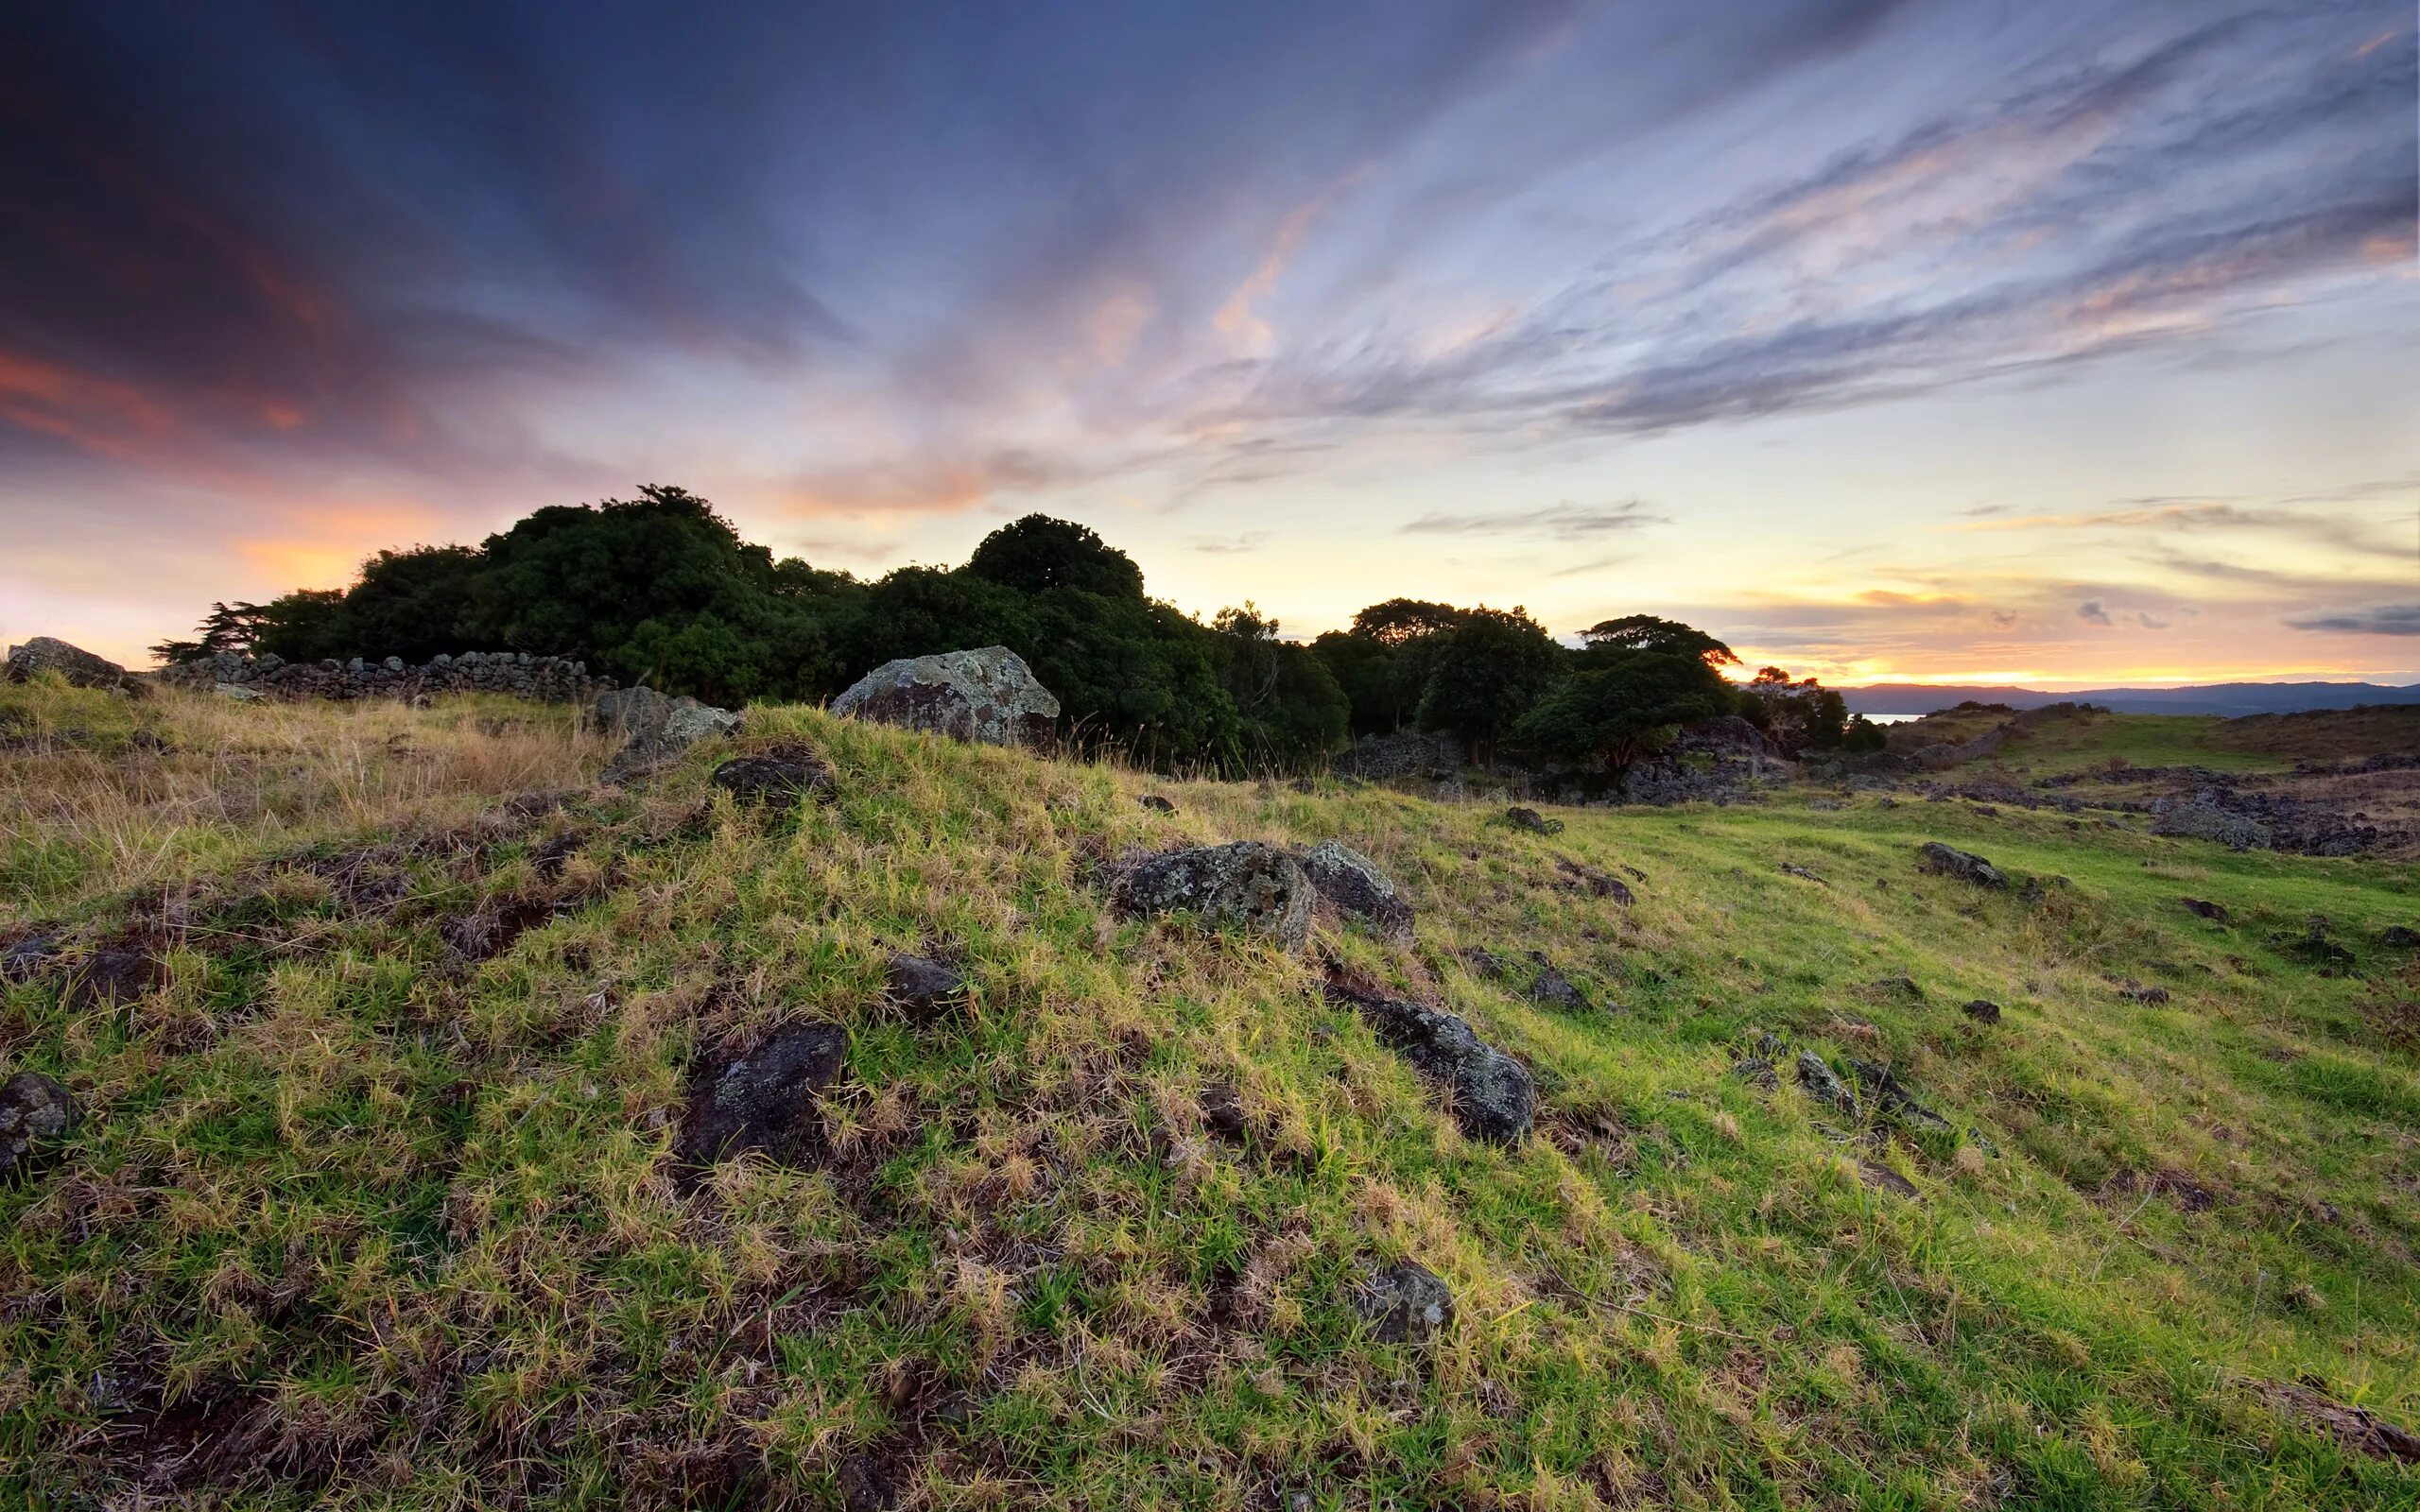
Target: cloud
[[2371, 619], [1560, 522], [1251, 541], [2093, 611], [2149, 621]]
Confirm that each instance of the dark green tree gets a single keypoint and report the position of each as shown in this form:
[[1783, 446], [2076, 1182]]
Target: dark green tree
[[1645, 632], [1402, 621], [1487, 673], [1624, 708], [1293, 714], [1037, 554], [228, 627], [299, 626]]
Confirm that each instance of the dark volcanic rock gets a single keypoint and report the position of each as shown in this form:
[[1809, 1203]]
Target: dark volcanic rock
[[1492, 1096], [34, 1109], [1156, 803], [1353, 885], [865, 1485], [115, 974], [2400, 936], [1945, 861], [1553, 989], [1405, 1303], [988, 695], [80, 667], [1247, 885], [1983, 1010], [1820, 1082], [1884, 1091], [1596, 882], [1882, 1178], [2357, 1428], [775, 779], [764, 1100], [922, 985], [2204, 908], [1531, 820]]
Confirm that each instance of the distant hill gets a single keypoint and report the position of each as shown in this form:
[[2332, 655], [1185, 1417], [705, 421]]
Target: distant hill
[[2231, 699]]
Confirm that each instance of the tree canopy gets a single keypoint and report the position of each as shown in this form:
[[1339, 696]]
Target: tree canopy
[[1627, 706]]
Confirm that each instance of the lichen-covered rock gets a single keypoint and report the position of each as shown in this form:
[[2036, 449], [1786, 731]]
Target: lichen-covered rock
[[654, 728], [2203, 817], [775, 779], [989, 696], [1945, 861], [1493, 1098], [764, 1100], [1405, 1303], [1819, 1081], [1248, 886], [34, 1109], [1353, 885], [79, 666]]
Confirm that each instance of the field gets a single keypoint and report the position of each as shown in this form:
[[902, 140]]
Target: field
[[2261, 743], [384, 1022]]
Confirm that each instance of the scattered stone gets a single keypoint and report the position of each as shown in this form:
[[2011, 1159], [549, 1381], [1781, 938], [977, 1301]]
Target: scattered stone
[[775, 779], [2136, 992], [1883, 1088], [1819, 1081], [1551, 988], [1983, 1010], [988, 695], [654, 728], [1156, 803], [865, 1485], [1245, 884], [1405, 1303], [1757, 1071], [1901, 986], [1531, 820], [491, 929], [1881, 1177], [80, 667], [925, 986], [2204, 908], [1824, 805], [1595, 882], [2206, 816], [1493, 1098], [1945, 861], [2357, 1428], [1789, 870], [764, 1100], [34, 1109], [1353, 883], [1484, 963], [114, 974], [1634, 874], [2401, 937], [1222, 1112]]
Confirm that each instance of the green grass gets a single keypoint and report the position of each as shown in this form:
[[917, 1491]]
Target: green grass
[[363, 1224]]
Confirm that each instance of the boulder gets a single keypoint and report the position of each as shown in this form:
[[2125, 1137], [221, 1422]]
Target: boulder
[[1353, 885], [764, 1100], [1942, 860], [1405, 1303], [1255, 887], [80, 667], [654, 728], [1493, 1098], [775, 779], [989, 696], [34, 1109]]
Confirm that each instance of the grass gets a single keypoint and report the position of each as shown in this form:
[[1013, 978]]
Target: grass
[[2262, 742], [358, 1220]]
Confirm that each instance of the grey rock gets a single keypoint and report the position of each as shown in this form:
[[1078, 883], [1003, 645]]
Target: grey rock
[[764, 1100], [1246, 884], [654, 728], [1946, 861], [775, 779], [34, 1109], [1531, 820], [1821, 1084], [80, 667], [989, 696], [1353, 883], [1405, 1303], [2203, 817], [1156, 803], [2203, 907], [922, 985], [1493, 1098]]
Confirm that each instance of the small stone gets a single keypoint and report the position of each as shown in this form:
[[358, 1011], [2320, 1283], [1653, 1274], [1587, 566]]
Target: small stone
[[34, 1109], [1531, 820], [1553, 989], [1405, 1303], [1819, 1081], [1946, 861], [1983, 1010], [2401, 937], [1156, 803], [764, 1100], [922, 985], [775, 779], [1353, 884], [2204, 908]]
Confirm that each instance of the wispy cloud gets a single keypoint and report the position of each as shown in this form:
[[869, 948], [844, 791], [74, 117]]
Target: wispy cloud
[[1557, 522], [2372, 619]]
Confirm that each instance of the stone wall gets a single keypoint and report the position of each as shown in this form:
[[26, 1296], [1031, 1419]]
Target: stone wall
[[550, 678]]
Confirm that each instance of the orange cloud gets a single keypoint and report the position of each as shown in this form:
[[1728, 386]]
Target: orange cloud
[[99, 415]]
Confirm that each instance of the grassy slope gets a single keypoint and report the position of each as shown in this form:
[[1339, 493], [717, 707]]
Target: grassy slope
[[353, 1216], [2262, 742]]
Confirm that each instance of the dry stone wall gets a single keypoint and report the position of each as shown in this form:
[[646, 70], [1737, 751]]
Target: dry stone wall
[[550, 678]]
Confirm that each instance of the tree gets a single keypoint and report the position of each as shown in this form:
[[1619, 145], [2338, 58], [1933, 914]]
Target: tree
[[298, 625], [1794, 716], [1624, 708], [1037, 554], [1293, 714], [1487, 673], [1645, 632], [1402, 621], [227, 629], [410, 603]]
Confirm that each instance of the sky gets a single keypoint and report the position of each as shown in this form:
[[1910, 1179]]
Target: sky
[[2062, 343]]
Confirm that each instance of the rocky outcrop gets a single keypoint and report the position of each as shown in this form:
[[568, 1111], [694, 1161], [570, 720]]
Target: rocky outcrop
[[1246, 885], [80, 667], [654, 728], [547, 678], [1352, 883], [989, 696], [34, 1109], [1945, 861], [1405, 1303], [1492, 1095], [2203, 817], [1403, 753]]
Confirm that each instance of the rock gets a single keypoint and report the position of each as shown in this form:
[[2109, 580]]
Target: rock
[[1493, 1098], [2206, 816], [865, 1485], [2398, 937], [1531, 820], [1255, 887], [114, 974], [764, 1100], [236, 691], [775, 779], [1884, 1091], [1983, 1010], [989, 696], [80, 667], [2203, 907], [1353, 885], [1222, 1112], [654, 728], [34, 1109], [1553, 989], [2136, 992], [1405, 1303], [1901, 986], [24, 959], [1757, 1071], [1596, 882], [1821, 1084], [922, 985], [1882, 1178], [1156, 803], [1803, 874], [1943, 861], [2357, 1428]]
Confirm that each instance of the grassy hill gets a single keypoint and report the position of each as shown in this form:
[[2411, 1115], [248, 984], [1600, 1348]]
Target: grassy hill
[[384, 1022]]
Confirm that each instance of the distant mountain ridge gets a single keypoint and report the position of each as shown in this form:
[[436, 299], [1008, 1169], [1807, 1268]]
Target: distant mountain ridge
[[2231, 699]]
